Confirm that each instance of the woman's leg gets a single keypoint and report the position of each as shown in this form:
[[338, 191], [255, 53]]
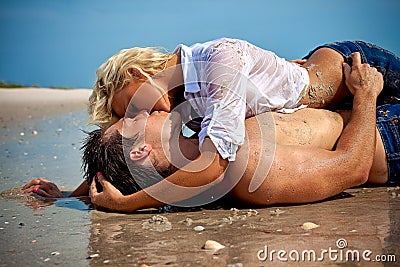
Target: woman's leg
[[327, 87], [327, 67]]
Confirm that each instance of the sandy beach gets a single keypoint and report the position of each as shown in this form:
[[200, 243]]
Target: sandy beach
[[41, 133]]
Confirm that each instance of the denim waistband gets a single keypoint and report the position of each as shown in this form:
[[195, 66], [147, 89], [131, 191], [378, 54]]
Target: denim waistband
[[370, 53]]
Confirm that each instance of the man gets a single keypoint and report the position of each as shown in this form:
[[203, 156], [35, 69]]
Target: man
[[298, 173], [104, 150]]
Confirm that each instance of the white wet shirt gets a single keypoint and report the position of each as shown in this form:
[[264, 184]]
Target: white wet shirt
[[227, 80]]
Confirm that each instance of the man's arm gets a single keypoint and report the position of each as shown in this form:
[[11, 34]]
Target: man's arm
[[193, 179], [300, 174]]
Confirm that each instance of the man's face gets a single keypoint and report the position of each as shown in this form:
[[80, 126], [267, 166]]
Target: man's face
[[159, 129], [156, 128]]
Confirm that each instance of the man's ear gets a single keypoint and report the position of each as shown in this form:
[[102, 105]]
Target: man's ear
[[140, 153], [135, 73]]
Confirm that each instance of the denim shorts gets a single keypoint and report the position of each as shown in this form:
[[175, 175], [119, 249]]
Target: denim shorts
[[383, 60], [387, 122]]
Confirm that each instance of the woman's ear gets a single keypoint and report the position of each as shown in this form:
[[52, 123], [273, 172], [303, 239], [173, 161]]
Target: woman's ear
[[135, 73], [140, 153]]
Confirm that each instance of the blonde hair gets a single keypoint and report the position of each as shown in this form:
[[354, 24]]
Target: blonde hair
[[113, 75]]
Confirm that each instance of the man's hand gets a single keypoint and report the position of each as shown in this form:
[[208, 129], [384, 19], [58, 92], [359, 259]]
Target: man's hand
[[42, 187], [110, 198], [362, 78]]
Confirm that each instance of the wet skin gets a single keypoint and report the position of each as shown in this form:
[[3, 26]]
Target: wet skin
[[327, 87], [300, 137], [327, 84]]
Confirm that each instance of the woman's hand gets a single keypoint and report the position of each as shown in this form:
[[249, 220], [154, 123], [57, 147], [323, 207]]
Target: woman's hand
[[42, 187], [110, 198], [298, 61]]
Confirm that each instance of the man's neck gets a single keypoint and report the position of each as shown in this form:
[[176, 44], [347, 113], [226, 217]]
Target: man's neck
[[189, 147]]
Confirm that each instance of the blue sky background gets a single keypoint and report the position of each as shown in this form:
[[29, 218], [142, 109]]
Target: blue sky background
[[61, 43]]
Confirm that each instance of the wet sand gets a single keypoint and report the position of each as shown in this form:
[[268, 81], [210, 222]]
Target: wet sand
[[42, 139]]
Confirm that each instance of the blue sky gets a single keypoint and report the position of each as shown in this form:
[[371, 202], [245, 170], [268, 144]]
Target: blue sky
[[61, 43]]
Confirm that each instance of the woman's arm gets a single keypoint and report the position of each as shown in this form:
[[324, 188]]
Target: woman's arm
[[196, 177], [81, 191], [48, 189]]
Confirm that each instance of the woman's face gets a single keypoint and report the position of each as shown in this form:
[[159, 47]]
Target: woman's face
[[122, 98], [142, 96]]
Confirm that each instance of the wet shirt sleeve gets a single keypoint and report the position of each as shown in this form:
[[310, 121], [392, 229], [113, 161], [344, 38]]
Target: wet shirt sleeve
[[225, 99]]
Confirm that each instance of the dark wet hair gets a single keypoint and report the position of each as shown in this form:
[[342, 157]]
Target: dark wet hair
[[107, 154]]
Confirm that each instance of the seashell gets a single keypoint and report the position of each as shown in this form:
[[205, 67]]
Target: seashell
[[309, 226], [213, 245], [157, 223], [199, 228], [187, 221], [276, 212]]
